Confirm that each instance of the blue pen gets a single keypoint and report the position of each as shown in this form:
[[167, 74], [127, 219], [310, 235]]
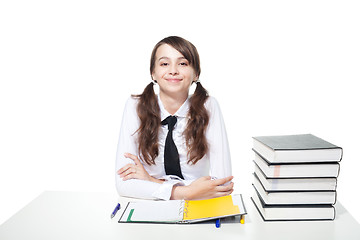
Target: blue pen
[[115, 210], [217, 223]]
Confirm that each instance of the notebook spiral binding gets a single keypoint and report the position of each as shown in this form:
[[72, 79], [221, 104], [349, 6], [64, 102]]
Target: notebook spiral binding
[[183, 211]]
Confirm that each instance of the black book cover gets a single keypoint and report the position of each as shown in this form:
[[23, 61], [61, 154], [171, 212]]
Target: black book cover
[[289, 206], [295, 142]]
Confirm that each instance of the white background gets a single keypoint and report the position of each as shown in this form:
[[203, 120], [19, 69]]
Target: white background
[[67, 67]]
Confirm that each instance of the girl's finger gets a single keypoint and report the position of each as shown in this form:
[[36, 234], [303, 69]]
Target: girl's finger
[[132, 157], [130, 176], [226, 188], [130, 171], [222, 181], [124, 168]]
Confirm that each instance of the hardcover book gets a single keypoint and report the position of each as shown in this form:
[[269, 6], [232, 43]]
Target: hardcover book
[[294, 197], [296, 149], [295, 184], [297, 170], [293, 213]]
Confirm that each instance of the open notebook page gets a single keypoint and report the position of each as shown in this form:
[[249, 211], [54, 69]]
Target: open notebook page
[[154, 211]]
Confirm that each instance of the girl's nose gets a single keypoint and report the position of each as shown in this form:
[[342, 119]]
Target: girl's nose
[[173, 69]]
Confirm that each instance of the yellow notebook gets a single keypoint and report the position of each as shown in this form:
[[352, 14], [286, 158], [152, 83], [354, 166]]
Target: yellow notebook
[[183, 211]]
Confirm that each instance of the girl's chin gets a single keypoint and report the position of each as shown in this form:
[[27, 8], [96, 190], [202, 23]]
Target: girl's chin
[[174, 91]]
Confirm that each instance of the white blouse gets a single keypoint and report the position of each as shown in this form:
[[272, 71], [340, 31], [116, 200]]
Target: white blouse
[[216, 163]]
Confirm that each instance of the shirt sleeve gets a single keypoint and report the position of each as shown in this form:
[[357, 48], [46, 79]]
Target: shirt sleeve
[[219, 152], [127, 144]]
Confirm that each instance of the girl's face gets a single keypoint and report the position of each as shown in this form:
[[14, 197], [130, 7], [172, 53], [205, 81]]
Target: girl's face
[[172, 71]]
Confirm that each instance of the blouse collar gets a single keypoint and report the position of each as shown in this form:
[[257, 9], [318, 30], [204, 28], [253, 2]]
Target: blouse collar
[[181, 112]]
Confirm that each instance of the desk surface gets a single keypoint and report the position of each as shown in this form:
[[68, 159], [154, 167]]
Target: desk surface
[[74, 215]]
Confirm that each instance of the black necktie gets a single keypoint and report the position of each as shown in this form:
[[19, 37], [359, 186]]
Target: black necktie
[[171, 155]]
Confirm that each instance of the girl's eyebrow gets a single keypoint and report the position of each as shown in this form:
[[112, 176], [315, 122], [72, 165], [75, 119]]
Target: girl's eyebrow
[[167, 58], [163, 58]]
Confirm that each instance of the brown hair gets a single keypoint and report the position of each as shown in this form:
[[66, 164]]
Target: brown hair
[[149, 112]]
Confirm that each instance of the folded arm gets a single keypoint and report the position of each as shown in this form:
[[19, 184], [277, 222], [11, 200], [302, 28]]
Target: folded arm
[[201, 188], [132, 179]]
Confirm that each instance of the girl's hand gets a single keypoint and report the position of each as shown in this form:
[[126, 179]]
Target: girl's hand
[[204, 188], [134, 171]]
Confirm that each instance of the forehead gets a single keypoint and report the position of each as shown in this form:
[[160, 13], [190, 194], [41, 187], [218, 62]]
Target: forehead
[[167, 51]]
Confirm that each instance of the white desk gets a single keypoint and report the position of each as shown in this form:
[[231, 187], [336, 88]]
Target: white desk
[[73, 215]]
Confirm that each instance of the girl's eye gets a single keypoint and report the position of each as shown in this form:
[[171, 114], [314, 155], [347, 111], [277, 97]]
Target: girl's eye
[[183, 64], [164, 64]]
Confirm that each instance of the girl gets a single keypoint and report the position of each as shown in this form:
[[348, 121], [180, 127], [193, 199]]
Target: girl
[[173, 145]]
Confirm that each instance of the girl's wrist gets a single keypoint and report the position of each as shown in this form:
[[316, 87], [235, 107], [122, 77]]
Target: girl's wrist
[[155, 180], [180, 192]]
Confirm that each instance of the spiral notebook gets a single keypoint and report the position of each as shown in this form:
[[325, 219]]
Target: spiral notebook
[[183, 211]]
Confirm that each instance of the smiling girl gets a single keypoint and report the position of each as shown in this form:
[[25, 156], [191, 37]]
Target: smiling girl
[[173, 145]]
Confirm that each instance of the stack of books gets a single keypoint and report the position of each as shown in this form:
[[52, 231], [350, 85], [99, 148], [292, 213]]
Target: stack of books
[[295, 177]]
